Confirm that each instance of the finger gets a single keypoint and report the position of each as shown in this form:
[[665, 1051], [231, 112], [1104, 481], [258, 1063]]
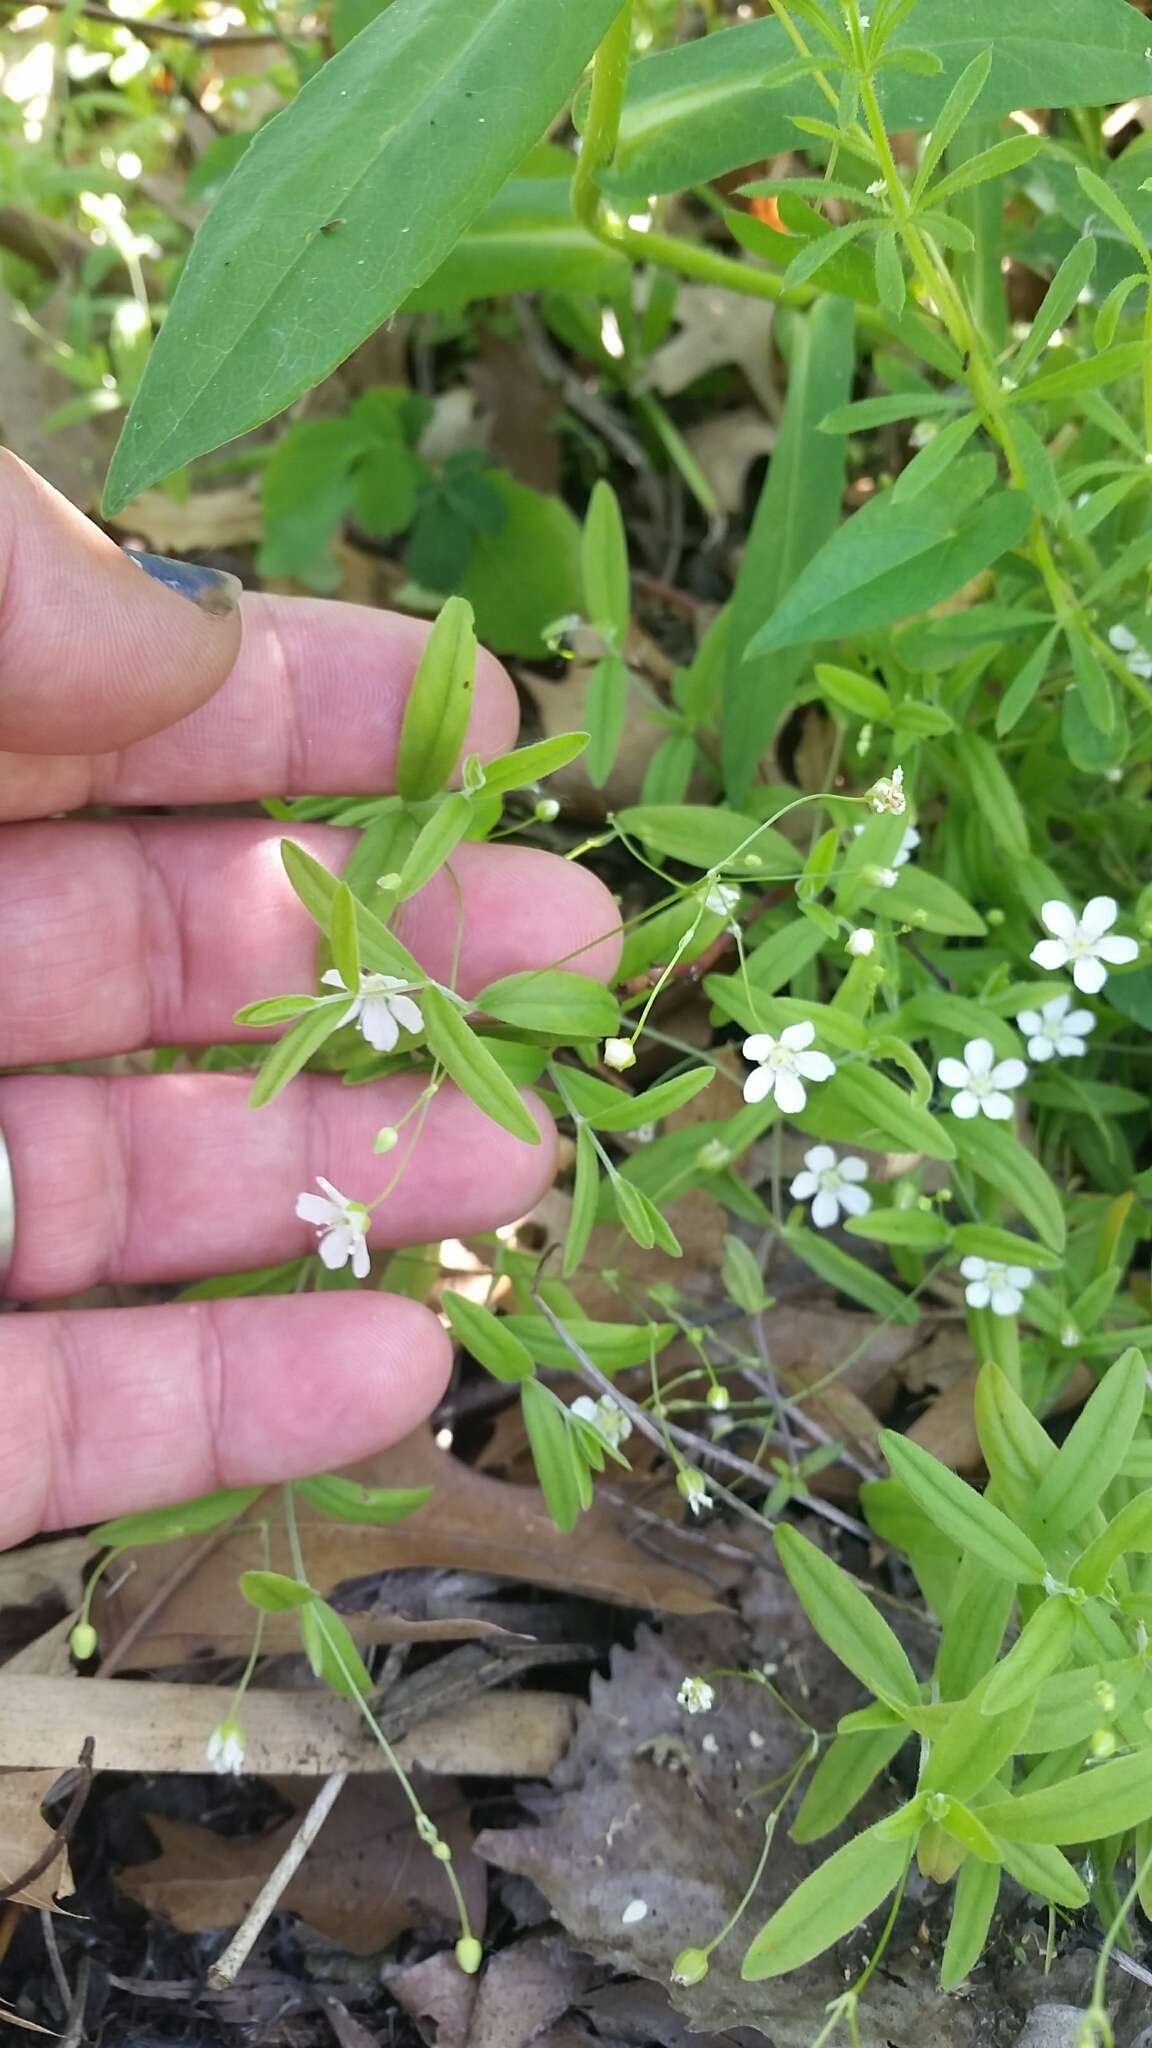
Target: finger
[[313, 704], [116, 936], [107, 1411], [94, 653], [171, 1177]]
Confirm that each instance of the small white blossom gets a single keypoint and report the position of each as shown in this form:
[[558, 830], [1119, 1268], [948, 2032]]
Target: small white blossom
[[709, 1745], [1054, 1032], [605, 1415], [722, 898], [861, 943], [696, 1696], [904, 851], [226, 1749], [888, 794], [342, 1226], [692, 1488], [876, 189], [831, 1184], [619, 1054], [382, 1010], [981, 1081], [1136, 657], [881, 878], [782, 1065], [991, 1285], [636, 1909], [1083, 942]]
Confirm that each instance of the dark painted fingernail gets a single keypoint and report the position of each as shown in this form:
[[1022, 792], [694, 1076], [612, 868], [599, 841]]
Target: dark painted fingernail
[[214, 590]]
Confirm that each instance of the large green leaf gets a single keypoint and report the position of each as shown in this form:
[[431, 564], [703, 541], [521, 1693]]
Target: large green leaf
[[342, 205], [798, 509], [527, 573], [702, 108]]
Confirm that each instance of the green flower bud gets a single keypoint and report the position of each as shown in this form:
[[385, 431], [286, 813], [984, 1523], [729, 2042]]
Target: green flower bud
[[469, 1954], [546, 810], [83, 1641], [690, 1966], [1103, 1744], [994, 917]]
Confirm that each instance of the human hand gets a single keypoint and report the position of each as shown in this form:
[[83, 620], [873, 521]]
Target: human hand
[[122, 932]]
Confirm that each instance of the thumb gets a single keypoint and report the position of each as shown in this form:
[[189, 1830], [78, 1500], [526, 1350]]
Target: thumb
[[94, 652]]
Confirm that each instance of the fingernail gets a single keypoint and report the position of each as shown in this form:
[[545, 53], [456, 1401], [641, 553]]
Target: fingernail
[[214, 590]]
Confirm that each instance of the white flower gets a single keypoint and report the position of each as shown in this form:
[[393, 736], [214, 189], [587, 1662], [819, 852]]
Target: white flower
[[1136, 657], [226, 1749], [860, 944], [1053, 1033], [832, 1184], [620, 1054], [691, 1486], [696, 1696], [881, 878], [342, 1226], [383, 1008], [722, 898], [1082, 942], [904, 851], [991, 1285], [605, 1415], [888, 794], [783, 1065], [981, 1081], [876, 189]]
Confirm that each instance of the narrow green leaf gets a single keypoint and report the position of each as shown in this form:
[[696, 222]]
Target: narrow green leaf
[[997, 1155], [1037, 468], [1095, 1448], [989, 1241], [1106, 1800], [611, 1346], [880, 1106], [711, 838], [1130, 1530], [532, 764], [472, 1066], [954, 112], [991, 163], [1058, 304], [641, 1218], [380, 951], [423, 101], [1025, 683], [585, 1194], [435, 843], [964, 1515], [1040, 1868], [1043, 1645], [858, 694], [886, 408], [274, 1592], [331, 1651], [848, 1767], [552, 1002], [1094, 685], [345, 1500], [605, 708], [850, 1276], [499, 1350], [891, 289], [741, 1277], [820, 250], [167, 1525], [604, 566], [654, 1103], [283, 1061], [974, 1625], [844, 1618], [993, 793], [832, 1902], [439, 703], [976, 1744], [929, 464], [919, 1229], [277, 1010], [553, 1452], [1113, 207], [1087, 375], [973, 1904], [344, 938]]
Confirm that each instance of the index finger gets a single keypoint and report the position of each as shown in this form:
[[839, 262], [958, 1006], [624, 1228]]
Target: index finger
[[313, 706]]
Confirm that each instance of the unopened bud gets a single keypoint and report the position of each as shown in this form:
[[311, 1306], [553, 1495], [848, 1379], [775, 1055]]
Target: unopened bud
[[1104, 1694], [713, 1157], [469, 1954], [690, 1966], [441, 1851], [546, 810], [619, 1054], [427, 1830], [83, 1641], [1103, 1744], [692, 1487], [861, 943], [994, 917], [388, 882], [718, 1397], [386, 1138]]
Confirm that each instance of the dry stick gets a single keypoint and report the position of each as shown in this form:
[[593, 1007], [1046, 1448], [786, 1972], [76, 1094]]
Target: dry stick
[[227, 1967]]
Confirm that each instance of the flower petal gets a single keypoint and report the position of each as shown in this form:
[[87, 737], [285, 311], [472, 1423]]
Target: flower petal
[[1089, 974], [1099, 915], [1081, 1022], [334, 1193], [815, 1066], [1040, 1049], [978, 1294], [825, 1209], [361, 1259], [1054, 1010], [759, 1045], [1019, 1276], [953, 1073], [407, 1013], [820, 1158], [332, 978], [855, 1201], [1068, 1047], [979, 1054], [1009, 1074], [316, 1209], [853, 1168], [804, 1185], [965, 1104], [1005, 1301], [1060, 919], [1116, 951], [1031, 1022], [973, 1268], [336, 1246], [998, 1107], [797, 1036], [790, 1094], [378, 1024], [760, 1083], [1051, 955]]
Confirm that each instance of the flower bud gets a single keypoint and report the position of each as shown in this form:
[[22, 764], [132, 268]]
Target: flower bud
[[713, 1157], [861, 943], [83, 1641], [1103, 1744], [718, 1397], [619, 1054], [693, 1487], [469, 1954], [994, 917], [546, 809], [386, 1138], [387, 883], [690, 1966], [1104, 1694], [441, 1851]]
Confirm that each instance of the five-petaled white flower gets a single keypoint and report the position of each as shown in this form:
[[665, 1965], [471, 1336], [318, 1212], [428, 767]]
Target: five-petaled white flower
[[619, 1054], [782, 1065], [383, 1008], [833, 1184], [226, 1749], [991, 1285], [696, 1696], [860, 943], [1054, 1032], [888, 794], [981, 1080], [904, 851], [341, 1224], [1136, 656], [605, 1415], [722, 898], [1083, 942]]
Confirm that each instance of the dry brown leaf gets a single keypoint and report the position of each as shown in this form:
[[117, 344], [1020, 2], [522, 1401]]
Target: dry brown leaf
[[208, 520], [948, 1427], [38, 1570], [560, 707], [437, 1996], [716, 327], [25, 1834], [366, 1879], [473, 1523], [726, 446]]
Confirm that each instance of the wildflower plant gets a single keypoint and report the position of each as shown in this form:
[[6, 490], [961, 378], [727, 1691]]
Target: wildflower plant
[[931, 955]]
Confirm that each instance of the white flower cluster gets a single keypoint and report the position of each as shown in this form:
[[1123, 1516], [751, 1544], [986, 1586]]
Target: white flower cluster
[[605, 1415]]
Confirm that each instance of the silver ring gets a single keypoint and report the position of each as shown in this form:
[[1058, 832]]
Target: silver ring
[[7, 1212]]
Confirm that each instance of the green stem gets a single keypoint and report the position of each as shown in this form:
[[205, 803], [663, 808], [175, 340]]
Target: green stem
[[598, 146]]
